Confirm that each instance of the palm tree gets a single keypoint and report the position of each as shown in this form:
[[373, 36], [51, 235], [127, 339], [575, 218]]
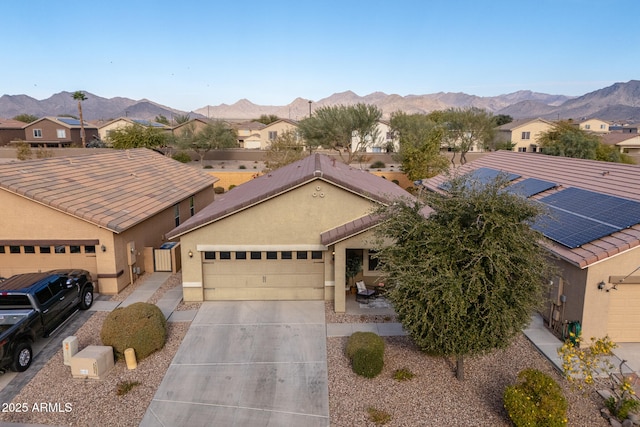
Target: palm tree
[[80, 96]]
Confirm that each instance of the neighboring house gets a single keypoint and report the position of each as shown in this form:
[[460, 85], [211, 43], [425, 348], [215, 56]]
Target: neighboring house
[[595, 125], [194, 125], [121, 122], [624, 128], [58, 132], [273, 130], [285, 235], [628, 143], [524, 134], [593, 238], [383, 141], [249, 134], [11, 130], [100, 212]]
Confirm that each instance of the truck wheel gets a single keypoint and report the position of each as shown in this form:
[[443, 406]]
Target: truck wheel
[[86, 299], [22, 357]]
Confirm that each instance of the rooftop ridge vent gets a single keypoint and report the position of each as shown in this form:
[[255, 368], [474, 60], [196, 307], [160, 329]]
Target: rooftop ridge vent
[[318, 172]]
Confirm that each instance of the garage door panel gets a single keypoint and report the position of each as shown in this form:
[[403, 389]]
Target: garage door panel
[[263, 294], [624, 313]]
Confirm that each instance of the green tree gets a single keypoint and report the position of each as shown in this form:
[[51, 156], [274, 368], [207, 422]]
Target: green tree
[[419, 140], [345, 129], [464, 279], [566, 140], [465, 128], [179, 119], [136, 136], [162, 119], [267, 119], [26, 118], [502, 119], [287, 148], [215, 135], [80, 96], [611, 153]]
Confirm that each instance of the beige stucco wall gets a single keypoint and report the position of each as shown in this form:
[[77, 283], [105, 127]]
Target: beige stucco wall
[[535, 128], [595, 125], [280, 127], [294, 220]]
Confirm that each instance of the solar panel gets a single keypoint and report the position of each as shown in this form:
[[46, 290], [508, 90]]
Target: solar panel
[[612, 210], [69, 121], [530, 187], [482, 176], [571, 230]]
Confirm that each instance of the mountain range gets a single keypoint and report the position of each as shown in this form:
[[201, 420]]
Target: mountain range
[[618, 102]]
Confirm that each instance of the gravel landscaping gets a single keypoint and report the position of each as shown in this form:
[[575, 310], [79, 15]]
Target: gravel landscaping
[[434, 397]]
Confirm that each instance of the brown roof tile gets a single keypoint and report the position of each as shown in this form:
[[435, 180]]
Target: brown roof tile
[[615, 179], [115, 190], [313, 167]]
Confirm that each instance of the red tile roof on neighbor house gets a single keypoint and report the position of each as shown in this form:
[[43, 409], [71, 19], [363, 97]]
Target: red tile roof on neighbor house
[[115, 190], [316, 166], [614, 179]]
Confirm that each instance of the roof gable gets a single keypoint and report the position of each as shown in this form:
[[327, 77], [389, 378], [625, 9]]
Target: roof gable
[[118, 190], [316, 166]]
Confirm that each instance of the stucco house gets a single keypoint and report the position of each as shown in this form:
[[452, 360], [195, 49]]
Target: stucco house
[[592, 236], [101, 212], [273, 130], [594, 125], [285, 235], [383, 141], [524, 134], [11, 130], [122, 122], [58, 132], [193, 125], [628, 143], [249, 134]]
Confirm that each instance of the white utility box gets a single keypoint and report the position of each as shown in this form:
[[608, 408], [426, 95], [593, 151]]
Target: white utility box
[[69, 349], [95, 361]]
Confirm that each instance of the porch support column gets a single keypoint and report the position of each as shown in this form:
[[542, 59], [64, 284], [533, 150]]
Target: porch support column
[[340, 264]]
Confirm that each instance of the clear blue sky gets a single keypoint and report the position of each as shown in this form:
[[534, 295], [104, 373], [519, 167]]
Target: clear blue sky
[[187, 54]]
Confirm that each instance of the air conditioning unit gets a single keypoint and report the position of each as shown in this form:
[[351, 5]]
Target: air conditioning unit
[[95, 361]]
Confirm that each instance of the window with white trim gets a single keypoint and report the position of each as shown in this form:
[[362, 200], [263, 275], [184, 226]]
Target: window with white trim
[[526, 135], [37, 133], [62, 133]]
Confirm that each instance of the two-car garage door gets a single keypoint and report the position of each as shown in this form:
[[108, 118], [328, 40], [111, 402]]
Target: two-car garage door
[[624, 316], [263, 275]]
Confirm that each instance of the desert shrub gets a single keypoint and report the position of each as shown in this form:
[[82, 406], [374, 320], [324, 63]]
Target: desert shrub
[[403, 374], [182, 157], [378, 164], [366, 351], [242, 167], [125, 387], [395, 181], [378, 417], [535, 401], [140, 326], [218, 190], [208, 167], [232, 186], [620, 408], [23, 151]]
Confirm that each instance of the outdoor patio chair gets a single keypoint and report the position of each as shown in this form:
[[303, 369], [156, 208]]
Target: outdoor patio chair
[[364, 294]]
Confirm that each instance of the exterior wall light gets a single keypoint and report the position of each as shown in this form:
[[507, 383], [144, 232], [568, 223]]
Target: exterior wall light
[[103, 248], [190, 254]]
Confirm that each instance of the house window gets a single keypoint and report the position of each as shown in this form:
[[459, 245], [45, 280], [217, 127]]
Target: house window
[[241, 255], [176, 214], [272, 255], [526, 135], [14, 249], [373, 260], [45, 249], [29, 249], [301, 255], [522, 149], [587, 126], [192, 206], [273, 135], [209, 255], [316, 254], [37, 133], [285, 255], [602, 126], [256, 255], [1, 249], [90, 249], [61, 133], [225, 255], [60, 249], [73, 249], [534, 148]]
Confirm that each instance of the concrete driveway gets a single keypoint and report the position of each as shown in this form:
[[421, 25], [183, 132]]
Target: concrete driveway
[[248, 363]]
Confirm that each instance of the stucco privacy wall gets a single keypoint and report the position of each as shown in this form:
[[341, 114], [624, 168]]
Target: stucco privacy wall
[[294, 219]]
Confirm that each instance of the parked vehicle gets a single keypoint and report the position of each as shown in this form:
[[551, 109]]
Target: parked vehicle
[[33, 305]]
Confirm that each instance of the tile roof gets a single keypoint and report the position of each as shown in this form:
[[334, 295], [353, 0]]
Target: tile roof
[[521, 122], [615, 179], [11, 124], [316, 166], [115, 190], [616, 138]]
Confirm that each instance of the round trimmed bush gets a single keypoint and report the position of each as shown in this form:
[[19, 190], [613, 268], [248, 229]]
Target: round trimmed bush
[[182, 157], [366, 352], [536, 400], [140, 326]]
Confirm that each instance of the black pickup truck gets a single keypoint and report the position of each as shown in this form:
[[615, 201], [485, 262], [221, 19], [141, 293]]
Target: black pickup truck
[[33, 305]]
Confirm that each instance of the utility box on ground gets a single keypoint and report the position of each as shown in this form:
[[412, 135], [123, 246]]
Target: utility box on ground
[[95, 361]]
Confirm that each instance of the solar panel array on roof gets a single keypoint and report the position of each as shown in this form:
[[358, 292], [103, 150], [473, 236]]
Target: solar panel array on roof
[[619, 212], [148, 123], [571, 230], [69, 121], [483, 176], [530, 187]]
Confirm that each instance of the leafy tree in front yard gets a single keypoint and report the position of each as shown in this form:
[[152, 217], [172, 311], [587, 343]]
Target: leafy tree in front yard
[[287, 148], [567, 140], [465, 279], [26, 118], [137, 136], [215, 135]]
